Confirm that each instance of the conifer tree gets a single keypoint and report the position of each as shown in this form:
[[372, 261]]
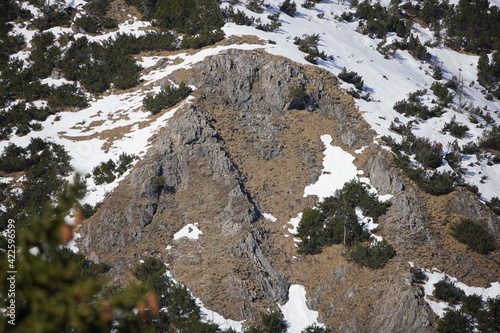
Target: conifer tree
[[47, 292]]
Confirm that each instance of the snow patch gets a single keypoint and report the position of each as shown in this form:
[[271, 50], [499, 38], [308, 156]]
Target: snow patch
[[189, 231], [296, 312], [269, 217], [295, 223], [213, 317], [368, 223], [337, 170], [439, 307]]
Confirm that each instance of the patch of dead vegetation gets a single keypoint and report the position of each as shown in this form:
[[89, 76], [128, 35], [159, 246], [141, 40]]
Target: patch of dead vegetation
[[122, 12]]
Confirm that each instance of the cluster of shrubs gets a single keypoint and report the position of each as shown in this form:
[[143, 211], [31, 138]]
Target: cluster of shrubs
[[352, 77], [200, 20], [474, 235], [179, 310], [494, 204], [167, 97], [355, 79], [455, 129], [96, 21], [442, 93], [107, 172], [99, 65], [309, 44], [428, 11], [11, 43], [468, 26], [414, 47], [476, 112], [467, 23], [372, 255], [288, 7], [53, 14], [490, 139], [256, 6], [299, 99], [310, 3], [89, 210], [23, 82], [403, 129], [430, 156], [376, 20], [85, 268], [21, 116], [488, 73], [413, 107], [239, 17], [43, 164], [474, 315], [446, 290], [334, 221], [273, 25]]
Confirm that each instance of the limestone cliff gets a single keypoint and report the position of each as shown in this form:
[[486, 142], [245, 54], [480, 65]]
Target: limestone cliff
[[246, 146]]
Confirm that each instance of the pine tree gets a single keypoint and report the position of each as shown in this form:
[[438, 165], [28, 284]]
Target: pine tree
[[483, 70], [48, 293]]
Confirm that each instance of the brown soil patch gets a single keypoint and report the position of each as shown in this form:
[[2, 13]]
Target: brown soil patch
[[120, 11]]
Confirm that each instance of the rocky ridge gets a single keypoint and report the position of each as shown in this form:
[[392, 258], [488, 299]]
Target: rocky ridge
[[245, 147]]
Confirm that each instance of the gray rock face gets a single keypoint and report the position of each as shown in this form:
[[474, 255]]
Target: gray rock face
[[267, 277], [404, 220], [401, 309], [147, 205], [384, 177], [465, 204], [188, 177]]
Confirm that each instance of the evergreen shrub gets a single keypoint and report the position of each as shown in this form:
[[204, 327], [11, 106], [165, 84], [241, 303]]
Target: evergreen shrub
[[374, 255], [288, 8], [455, 129], [334, 220], [167, 97], [446, 291], [474, 235]]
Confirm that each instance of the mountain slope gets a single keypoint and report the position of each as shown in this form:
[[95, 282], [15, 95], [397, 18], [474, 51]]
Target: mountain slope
[[223, 176]]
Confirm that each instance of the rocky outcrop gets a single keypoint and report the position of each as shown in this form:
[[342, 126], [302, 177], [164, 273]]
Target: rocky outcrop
[[245, 146], [404, 222], [186, 159], [466, 204]]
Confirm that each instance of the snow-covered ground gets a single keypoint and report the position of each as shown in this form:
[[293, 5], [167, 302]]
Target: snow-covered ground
[[440, 307], [338, 169]]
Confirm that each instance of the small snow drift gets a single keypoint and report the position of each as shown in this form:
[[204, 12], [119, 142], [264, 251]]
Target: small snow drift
[[296, 312], [337, 170], [189, 231]]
